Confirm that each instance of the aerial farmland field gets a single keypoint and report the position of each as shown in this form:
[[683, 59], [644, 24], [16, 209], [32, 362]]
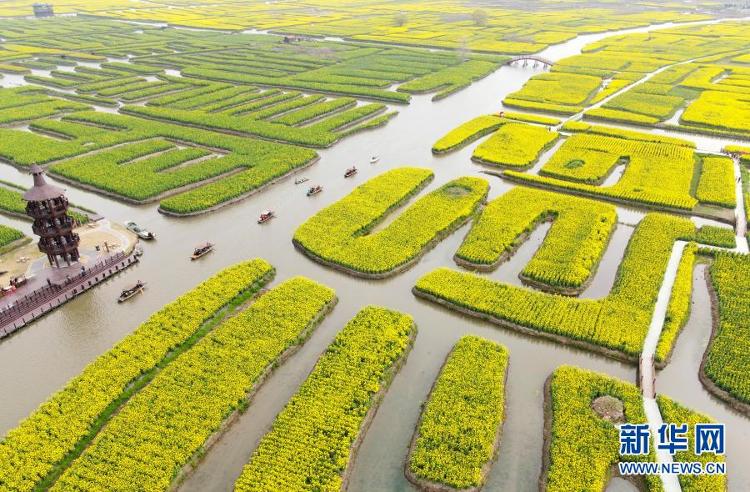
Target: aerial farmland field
[[361, 245]]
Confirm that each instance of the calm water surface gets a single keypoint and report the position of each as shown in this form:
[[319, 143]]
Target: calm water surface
[[40, 359]]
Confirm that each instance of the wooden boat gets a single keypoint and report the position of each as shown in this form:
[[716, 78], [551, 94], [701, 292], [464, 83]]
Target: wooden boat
[[300, 180], [139, 231], [202, 250], [130, 292], [374, 159], [314, 190], [266, 216], [350, 172]]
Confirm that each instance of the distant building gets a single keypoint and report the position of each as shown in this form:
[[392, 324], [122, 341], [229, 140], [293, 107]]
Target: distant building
[[43, 10], [48, 207]]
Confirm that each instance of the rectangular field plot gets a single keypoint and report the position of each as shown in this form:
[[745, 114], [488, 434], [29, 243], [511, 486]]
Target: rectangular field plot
[[632, 167], [691, 77], [329, 67], [142, 160]]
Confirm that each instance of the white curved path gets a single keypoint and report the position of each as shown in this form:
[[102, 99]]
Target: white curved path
[[647, 370]]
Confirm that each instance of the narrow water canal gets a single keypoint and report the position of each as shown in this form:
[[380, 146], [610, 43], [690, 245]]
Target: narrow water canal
[[40, 359]]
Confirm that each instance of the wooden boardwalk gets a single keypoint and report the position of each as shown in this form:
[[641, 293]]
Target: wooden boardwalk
[[41, 301]]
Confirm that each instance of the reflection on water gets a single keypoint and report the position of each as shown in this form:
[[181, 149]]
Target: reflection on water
[[40, 359]]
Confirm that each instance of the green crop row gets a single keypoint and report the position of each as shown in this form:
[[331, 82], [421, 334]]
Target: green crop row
[[459, 431], [571, 250], [218, 93], [515, 145], [132, 67], [370, 124], [109, 84], [254, 162], [8, 235], [340, 120], [315, 111], [151, 91], [240, 101], [342, 233], [58, 82], [450, 79], [618, 322], [131, 87], [311, 136], [325, 87], [727, 360], [309, 446], [285, 107], [39, 110], [182, 97], [161, 428], [236, 186], [11, 200], [20, 96], [716, 184], [261, 101], [467, 133], [41, 442], [131, 171]]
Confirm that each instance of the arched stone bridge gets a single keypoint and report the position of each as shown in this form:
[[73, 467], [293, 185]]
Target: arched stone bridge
[[530, 58]]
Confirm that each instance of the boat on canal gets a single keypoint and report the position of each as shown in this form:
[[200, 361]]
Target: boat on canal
[[130, 292], [314, 190], [202, 250], [266, 216]]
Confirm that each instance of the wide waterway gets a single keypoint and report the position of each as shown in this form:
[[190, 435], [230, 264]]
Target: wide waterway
[[41, 358]]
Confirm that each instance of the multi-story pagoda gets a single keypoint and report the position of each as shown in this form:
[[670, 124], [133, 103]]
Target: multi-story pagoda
[[48, 207]]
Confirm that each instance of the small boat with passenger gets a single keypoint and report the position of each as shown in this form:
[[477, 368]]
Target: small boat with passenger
[[350, 172], [314, 190], [266, 216], [130, 292], [202, 250]]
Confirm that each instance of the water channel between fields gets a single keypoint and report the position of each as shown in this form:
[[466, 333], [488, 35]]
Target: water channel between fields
[[40, 359]]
